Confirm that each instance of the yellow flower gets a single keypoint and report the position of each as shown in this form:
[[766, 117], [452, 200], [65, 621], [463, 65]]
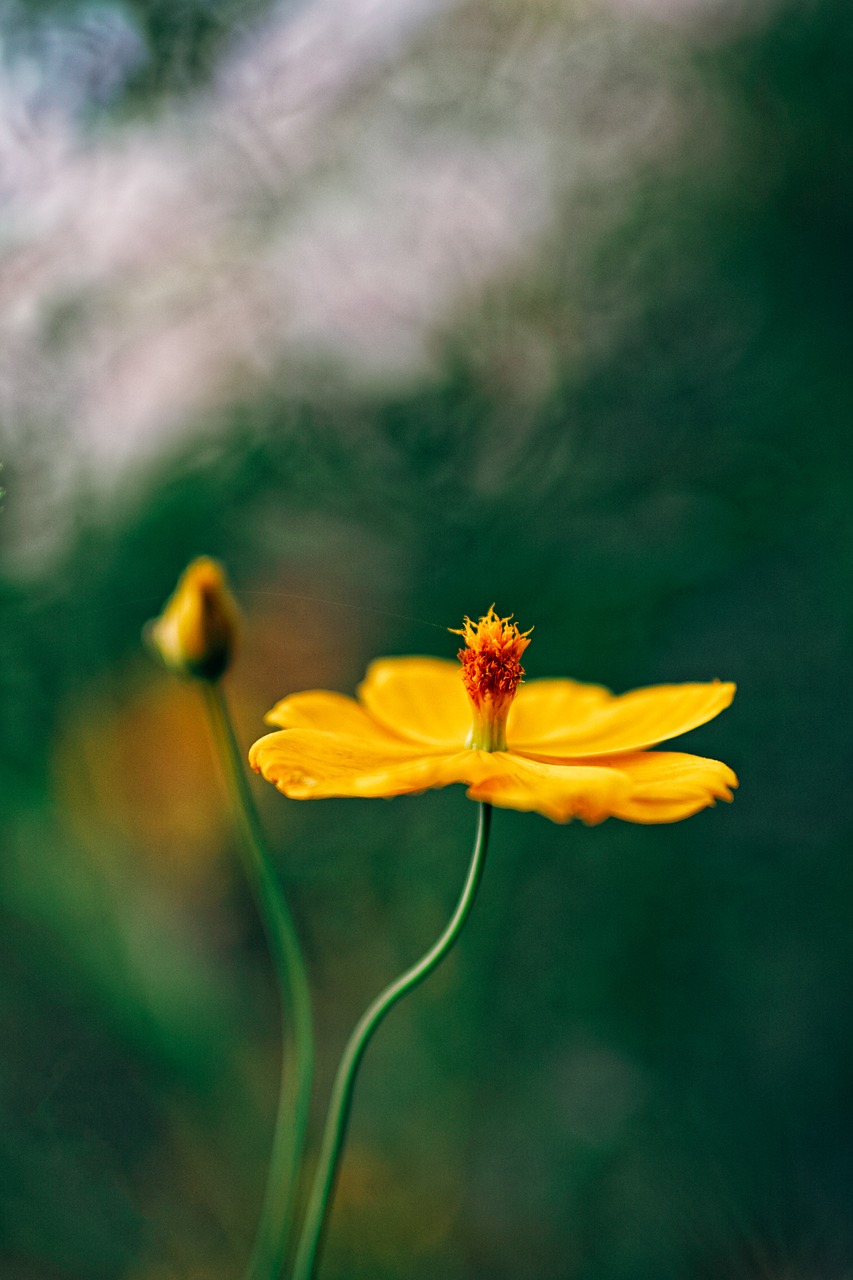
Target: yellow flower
[[555, 746], [196, 633]]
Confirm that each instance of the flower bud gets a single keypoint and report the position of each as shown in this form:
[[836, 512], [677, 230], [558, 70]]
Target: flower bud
[[196, 633]]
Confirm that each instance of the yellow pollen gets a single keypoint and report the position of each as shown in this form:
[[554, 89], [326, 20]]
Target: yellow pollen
[[492, 672]]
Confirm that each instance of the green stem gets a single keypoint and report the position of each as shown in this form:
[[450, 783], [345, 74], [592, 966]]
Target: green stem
[[276, 1220], [342, 1090]]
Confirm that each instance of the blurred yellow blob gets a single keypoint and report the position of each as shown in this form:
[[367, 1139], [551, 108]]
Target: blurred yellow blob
[[134, 776], [196, 633]]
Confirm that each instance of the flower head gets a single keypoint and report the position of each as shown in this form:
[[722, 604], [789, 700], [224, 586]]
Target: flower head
[[491, 673], [196, 633], [558, 747]]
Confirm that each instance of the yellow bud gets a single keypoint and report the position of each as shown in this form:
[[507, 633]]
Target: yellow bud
[[196, 633]]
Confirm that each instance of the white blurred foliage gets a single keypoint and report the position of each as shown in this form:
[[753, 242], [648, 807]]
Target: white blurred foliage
[[356, 175]]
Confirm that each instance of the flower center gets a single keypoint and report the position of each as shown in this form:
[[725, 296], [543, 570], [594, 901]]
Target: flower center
[[491, 671]]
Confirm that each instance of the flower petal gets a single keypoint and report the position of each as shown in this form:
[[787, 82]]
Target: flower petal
[[306, 764], [550, 708], [560, 718], [330, 713], [559, 791], [669, 785], [422, 700]]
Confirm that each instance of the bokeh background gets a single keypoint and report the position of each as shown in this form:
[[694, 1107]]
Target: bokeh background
[[402, 307]]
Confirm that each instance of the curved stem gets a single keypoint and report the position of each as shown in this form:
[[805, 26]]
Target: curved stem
[[274, 1227], [341, 1099]]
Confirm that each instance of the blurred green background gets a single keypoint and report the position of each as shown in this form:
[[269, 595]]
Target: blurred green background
[[577, 341]]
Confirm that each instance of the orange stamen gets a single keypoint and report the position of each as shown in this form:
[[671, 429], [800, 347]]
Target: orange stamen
[[492, 672]]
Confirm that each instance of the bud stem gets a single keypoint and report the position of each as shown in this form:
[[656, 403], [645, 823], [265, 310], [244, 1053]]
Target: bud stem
[[276, 1220]]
